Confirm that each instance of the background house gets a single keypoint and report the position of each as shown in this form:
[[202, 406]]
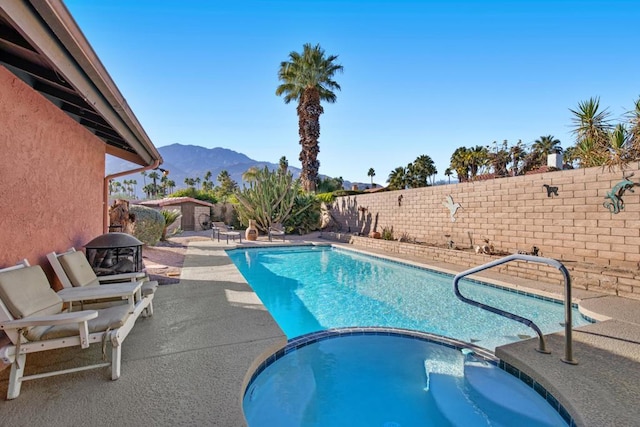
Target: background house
[[195, 215], [60, 115]]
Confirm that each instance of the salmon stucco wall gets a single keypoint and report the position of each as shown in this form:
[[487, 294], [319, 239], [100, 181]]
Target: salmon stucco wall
[[51, 177]]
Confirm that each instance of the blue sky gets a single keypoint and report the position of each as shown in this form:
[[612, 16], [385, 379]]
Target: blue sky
[[420, 77]]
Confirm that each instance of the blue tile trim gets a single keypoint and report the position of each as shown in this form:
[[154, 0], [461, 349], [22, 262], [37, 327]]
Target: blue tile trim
[[540, 390], [474, 281]]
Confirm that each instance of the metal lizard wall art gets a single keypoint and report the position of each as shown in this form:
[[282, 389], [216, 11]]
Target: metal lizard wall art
[[615, 203]]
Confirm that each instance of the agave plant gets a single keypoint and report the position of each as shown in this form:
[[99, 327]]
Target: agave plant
[[273, 197], [169, 218]]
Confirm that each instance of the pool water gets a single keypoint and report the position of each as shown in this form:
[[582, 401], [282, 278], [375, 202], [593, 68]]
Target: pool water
[[309, 289], [389, 381]]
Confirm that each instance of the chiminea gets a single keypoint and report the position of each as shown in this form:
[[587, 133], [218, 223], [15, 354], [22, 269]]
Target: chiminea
[[114, 253]]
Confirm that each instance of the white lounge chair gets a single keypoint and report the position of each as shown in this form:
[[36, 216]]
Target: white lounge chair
[[222, 229], [276, 230], [33, 318], [73, 270]]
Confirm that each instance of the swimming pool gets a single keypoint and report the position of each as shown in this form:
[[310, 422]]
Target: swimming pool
[[390, 379], [313, 288]]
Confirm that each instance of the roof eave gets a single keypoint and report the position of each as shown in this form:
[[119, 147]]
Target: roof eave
[[49, 26]]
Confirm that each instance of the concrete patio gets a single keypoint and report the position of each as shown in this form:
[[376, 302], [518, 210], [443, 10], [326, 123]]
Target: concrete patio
[[187, 365]]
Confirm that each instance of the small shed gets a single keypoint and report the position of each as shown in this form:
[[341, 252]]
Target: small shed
[[195, 214]]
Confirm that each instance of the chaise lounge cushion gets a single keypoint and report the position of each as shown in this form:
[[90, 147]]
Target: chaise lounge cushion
[[80, 273], [108, 318], [26, 292], [78, 270]]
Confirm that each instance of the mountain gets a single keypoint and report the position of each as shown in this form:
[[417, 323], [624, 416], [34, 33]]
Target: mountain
[[192, 161]]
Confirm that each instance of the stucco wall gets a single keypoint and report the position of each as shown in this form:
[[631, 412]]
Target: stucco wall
[[51, 177], [514, 214]]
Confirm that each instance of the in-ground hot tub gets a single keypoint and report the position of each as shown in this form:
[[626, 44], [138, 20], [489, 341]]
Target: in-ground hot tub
[[390, 378]]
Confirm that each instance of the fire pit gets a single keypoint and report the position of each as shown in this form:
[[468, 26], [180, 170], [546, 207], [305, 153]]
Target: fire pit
[[114, 253]]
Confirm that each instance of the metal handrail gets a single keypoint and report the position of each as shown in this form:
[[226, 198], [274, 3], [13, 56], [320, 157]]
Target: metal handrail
[[542, 348]]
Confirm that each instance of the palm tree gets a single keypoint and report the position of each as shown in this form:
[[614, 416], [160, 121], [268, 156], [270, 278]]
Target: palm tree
[[460, 160], [164, 185], [371, 173], [540, 149], [148, 190], [190, 182], [419, 172], [478, 159], [171, 185], [397, 178], [154, 176], [448, 172], [570, 156], [547, 145], [308, 78], [207, 185], [283, 165]]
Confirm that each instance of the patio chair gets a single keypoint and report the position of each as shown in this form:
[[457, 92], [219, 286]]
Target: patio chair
[[32, 316], [221, 229], [73, 270], [276, 229]]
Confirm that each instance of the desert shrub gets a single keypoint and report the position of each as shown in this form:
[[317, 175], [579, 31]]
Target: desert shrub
[[387, 233], [306, 214], [405, 237], [205, 196], [326, 197], [148, 225]]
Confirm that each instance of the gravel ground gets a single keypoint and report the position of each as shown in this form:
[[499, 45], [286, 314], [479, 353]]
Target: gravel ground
[[163, 262]]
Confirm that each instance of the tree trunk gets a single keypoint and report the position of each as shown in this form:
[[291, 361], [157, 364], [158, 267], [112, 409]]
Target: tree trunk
[[309, 111]]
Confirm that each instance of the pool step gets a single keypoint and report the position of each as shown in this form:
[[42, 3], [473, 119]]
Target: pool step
[[476, 393], [445, 384], [505, 399], [453, 403]]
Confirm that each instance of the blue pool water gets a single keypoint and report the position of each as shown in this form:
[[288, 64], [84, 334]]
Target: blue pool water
[[308, 289], [389, 381]]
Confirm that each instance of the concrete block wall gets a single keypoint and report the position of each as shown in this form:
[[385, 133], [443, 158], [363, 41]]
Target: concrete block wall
[[516, 214]]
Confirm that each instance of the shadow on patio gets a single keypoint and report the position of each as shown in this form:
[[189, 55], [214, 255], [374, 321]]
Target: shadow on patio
[[183, 366]]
